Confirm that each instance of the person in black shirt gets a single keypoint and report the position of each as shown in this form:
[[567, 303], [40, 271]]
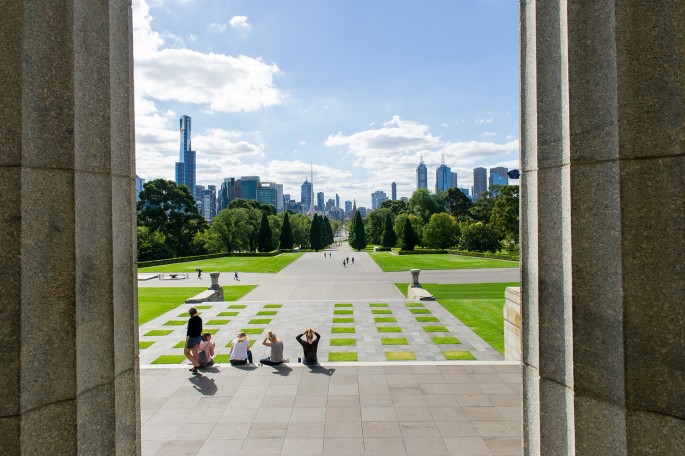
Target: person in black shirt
[[193, 338], [309, 346]]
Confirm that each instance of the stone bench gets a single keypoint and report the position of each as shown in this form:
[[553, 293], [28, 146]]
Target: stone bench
[[206, 296]]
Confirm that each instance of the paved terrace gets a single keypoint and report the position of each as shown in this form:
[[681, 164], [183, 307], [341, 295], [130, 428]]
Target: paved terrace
[[390, 408]]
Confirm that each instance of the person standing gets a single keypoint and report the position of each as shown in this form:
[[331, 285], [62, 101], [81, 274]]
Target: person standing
[[352, 260], [199, 273], [193, 338], [309, 346], [235, 276], [276, 346]]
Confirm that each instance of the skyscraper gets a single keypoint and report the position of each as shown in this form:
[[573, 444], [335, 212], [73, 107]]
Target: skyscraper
[[279, 198], [480, 182], [498, 176], [139, 186], [319, 202], [421, 175], [306, 195], [185, 167], [443, 177], [337, 200], [454, 180], [377, 199], [348, 207], [394, 191], [267, 193], [209, 202], [248, 187]]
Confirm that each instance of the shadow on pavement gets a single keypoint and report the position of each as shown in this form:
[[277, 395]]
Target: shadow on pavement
[[203, 384]]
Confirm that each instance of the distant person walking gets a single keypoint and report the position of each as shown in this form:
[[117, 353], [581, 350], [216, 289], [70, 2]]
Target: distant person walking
[[309, 345], [352, 260], [276, 346], [324, 254], [344, 266], [199, 273], [193, 338], [347, 259], [235, 276], [240, 350]]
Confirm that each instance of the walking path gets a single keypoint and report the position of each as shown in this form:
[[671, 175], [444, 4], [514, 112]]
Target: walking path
[[366, 408]]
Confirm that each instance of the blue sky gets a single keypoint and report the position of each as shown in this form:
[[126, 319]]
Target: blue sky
[[361, 89]]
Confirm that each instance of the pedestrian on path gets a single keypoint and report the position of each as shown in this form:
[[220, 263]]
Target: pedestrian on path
[[193, 338], [199, 273], [324, 254], [344, 266], [235, 276], [352, 260], [347, 259]]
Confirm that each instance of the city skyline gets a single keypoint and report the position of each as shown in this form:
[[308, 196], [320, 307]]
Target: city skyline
[[273, 87]]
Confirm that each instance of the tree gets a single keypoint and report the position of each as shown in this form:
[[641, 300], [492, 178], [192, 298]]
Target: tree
[[479, 237], [328, 231], [152, 245], [416, 224], [316, 233], [389, 237], [287, 239], [357, 236], [482, 208], [170, 210], [373, 225], [424, 204], [264, 239], [240, 203], [235, 230], [504, 218], [441, 232], [395, 206], [409, 240], [457, 203], [301, 227]]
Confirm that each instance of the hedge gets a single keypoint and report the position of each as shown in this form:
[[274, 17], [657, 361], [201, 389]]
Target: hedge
[[422, 252], [494, 256], [145, 264]]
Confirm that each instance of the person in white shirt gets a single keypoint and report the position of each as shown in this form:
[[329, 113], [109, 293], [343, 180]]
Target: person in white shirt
[[240, 350]]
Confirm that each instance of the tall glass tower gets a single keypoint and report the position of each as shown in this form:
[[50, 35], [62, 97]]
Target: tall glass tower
[[185, 167], [480, 181], [443, 177], [306, 195], [421, 175]]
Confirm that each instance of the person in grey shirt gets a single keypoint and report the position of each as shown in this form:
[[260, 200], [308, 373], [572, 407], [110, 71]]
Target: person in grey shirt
[[276, 345]]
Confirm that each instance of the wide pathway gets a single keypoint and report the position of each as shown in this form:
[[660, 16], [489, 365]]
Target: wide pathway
[[364, 408]]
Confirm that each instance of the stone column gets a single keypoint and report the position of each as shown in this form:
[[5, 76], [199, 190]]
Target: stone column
[[603, 226], [67, 230]]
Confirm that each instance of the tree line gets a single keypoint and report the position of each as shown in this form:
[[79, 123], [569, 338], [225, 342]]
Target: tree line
[[169, 225], [443, 220]]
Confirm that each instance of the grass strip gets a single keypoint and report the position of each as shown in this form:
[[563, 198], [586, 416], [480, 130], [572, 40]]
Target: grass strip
[[413, 304], [390, 262], [259, 321], [343, 320], [381, 311], [181, 344], [266, 313], [237, 306], [228, 314], [434, 329], [445, 340], [230, 264], [143, 344], [400, 356], [153, 302], [389, 329], [169, 359], [273, 306], [343, 305], [253, 330], [186, 314], [203, 307], [343, 330], [419, 311], [230, 343], [378, 304], [458, 355], [343, 312], [218, 322], [159, 332], [343, 342], [427, 319], [385, 320], [333, 356], [175, 323], [222, 358], [394, 341]]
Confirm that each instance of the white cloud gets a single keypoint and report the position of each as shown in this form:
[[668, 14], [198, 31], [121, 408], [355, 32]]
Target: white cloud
[[483, 121], [489, 133], [218, 27], [240, 23], [444, 125], [303, 142], [221, 82]]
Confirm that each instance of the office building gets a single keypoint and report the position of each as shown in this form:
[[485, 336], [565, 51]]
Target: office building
[[337, 200], [320, 205], [443, 177], [306, 195], [330, 204], [454, 181], [185, 167], [377, 199], [140, 182], [421, 175], [480, 182], [499, 176], [267, 193], [466, 192], [248, 187], [280, 206], [209, 203], [393, 191], [230, 189], [348, 207]]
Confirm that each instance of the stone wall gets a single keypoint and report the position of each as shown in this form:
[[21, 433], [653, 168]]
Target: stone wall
[[512, 324]]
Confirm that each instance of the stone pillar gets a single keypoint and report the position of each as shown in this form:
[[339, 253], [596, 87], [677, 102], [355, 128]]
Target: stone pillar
[[415, 278], [603, 226], [67, 230], [512, 324], [219, 291]]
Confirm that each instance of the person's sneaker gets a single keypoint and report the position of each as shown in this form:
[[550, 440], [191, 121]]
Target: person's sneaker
[[287, 360]]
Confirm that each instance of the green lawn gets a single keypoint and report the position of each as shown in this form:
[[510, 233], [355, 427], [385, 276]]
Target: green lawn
[[343, 305], [273, 306], [343, 330], [427, 319], [385, 320], [458, 355], [153, 302], [343, 312], [378, 304], [419, 311], [446, 341], [253, 330], [400, 356], [230, 264], [343, 342], [259, 321], [381, 311], [343, 320], [394, 341], [228, 314], [144, 344], [169, 359], [389, 329], [433, 329], [217, 322], [477, 305], [266, 312], [389, 262], [159, 332]]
